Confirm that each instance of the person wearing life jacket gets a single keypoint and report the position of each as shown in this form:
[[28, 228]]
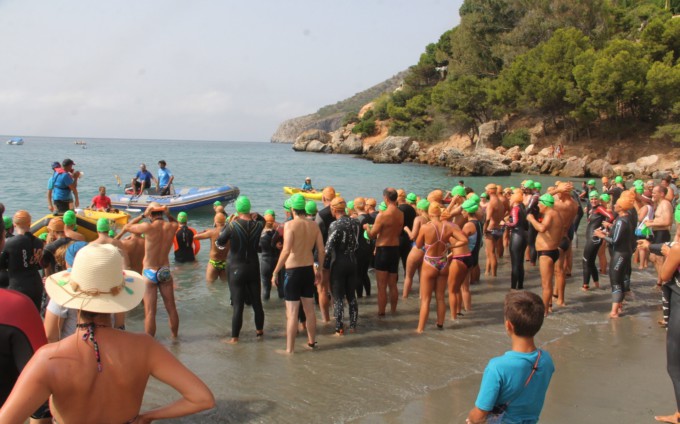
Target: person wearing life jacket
[[186, 247], [61, 187]]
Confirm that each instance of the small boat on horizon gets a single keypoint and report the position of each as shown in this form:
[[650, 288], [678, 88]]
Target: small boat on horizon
[[15, 141], [80, 143]]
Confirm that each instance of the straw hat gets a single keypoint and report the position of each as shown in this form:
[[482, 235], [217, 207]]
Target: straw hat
[[97, 282]]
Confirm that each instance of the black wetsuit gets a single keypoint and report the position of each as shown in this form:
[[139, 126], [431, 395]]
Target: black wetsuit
[[620, 245], [343, 242], [595, 219], [269, 256], [364, 257], [21, 259], [478, 242], [244, 269], [324, 218], [184, 244], [21, 334], [518, 245], [615, 193], [404, 240], [532, 209], [579, 213], [4, 274]]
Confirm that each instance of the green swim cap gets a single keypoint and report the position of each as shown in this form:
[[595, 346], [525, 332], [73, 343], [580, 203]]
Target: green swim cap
[[529, 184], [270, 212], [112, 233], [366, 235], [470, 206], [411, 197], [512, 188], [70, 218], [103, 225], [8, 221], [382, 207], [458, 191], [286, 205], [618, 179], [591, 183], [242, 204], [593, 194], [547, 200], [350, 204], [474, 197], [298, 202], [423, 204], [605, 197], [484, 196], [677, 214], [217, 203], [538, 185], [310, 207], [639, 189], [43, 236], [638, 183], [182, 217]]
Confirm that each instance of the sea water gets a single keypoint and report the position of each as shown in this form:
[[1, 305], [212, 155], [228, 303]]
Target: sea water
[[363, 376]]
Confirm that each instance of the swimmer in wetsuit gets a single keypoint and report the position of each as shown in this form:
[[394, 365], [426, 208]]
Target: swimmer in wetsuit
[[415, 257], [388, 226], [341, 248], [620, 241], [596, 218], [410, 214], [243, 234], [269, 254], [517, 222], [550, 230], [21, 259], [365, 252], [185, 247], [433, 238]]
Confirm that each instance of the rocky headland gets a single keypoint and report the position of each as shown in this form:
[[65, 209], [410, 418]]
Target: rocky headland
[[582, 158]]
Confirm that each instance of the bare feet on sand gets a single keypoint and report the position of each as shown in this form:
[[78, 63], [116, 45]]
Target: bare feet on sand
[[675, 418]]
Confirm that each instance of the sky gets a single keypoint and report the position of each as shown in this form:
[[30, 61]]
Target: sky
[[198, 69]]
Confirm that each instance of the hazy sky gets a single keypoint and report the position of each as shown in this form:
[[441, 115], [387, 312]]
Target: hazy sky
[[192, 69]]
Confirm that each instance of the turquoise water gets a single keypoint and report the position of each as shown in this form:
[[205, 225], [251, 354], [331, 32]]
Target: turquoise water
[[260, 170]]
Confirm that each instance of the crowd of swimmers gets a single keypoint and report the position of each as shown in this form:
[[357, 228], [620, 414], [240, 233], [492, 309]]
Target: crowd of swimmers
[[323, 257]]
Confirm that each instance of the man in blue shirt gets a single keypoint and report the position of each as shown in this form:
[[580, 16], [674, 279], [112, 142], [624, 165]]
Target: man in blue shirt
[[60, 186], [142, 180], [514, 385], [165, 178]]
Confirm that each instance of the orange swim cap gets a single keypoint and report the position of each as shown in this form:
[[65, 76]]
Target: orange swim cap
[[434, 209], [370, 202], [359, 202], [435, 196], [56, 224], [22, 219], [517, 196], [329, 193], [338, 204], [625, 203]]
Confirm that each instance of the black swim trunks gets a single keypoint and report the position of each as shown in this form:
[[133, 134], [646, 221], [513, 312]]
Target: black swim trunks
[[661, 236], [552, 254], [565, 244], [300, 283], [387, 259], [466, 260], [496, 233]]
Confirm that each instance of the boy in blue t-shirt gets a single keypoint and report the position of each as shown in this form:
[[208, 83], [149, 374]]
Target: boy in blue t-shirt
[[514, 385]]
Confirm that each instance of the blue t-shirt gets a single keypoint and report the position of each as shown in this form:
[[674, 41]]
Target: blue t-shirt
[[504, 379], [59, 185], [143, 176], [164, 177], [306, 186]]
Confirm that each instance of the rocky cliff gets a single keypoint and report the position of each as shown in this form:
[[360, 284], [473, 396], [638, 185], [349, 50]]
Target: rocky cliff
[[329, 118]]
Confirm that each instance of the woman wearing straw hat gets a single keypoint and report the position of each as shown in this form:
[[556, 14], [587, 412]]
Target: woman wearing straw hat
[[99, 374]]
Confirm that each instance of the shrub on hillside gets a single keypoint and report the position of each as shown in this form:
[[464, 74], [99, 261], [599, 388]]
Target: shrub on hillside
[[520, 137]]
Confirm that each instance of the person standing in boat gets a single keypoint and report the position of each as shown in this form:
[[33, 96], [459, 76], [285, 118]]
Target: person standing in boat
[[142, 180], [61, 185], [165, 179]]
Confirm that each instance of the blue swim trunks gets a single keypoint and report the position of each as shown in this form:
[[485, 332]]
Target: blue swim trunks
[[162, 275]]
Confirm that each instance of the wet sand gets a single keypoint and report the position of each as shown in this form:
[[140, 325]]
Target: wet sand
[[606, 370]]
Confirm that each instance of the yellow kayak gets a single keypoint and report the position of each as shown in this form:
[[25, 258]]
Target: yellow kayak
[[117, 218], [85, 226], [309, 196]]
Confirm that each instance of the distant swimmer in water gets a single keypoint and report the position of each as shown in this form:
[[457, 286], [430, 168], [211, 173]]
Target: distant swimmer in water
[[217, 265], [550, 230], [99, 374], [387, 228], [307, 186], [158, 240], [300, 238]]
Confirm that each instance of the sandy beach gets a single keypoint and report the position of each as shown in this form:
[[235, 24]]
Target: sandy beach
[[606, 370]]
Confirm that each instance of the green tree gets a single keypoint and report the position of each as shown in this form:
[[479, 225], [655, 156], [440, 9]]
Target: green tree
[[466, 100]]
